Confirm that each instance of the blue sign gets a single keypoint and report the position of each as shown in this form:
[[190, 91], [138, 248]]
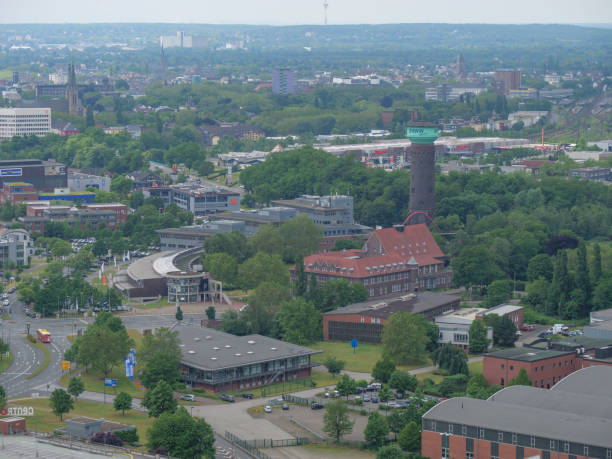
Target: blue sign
[[354, 344], [129, 368], [110, 382], [12, 172]]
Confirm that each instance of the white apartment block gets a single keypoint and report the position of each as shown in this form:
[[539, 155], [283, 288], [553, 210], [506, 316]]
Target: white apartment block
[[24, 121]]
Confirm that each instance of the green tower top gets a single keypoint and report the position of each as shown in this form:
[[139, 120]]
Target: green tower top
[[422, 133]]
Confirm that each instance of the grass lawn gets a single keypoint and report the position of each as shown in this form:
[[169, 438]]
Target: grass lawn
[[155, 304], [438, 375], [45, 421], [46, 360], [6, 317], [339, 451], [361, 361], [6, 362], [94, 382], [320, 379], [107, 272]]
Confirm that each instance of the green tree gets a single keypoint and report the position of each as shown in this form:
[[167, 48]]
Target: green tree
[[402, 381], [346, 386], [179, 313], [162, 339], [103, 345], [397, 421], [2, 397], [160, 399], [383, 369], [211, 313], [264, 303], [455, 384], [60, 402], [596, 269], [451, 359], [234, 323], [409, 438], [498, 291], [300, 236], [89, 116], [474, 267], [262, 268], [405, 338], [336, 421], [504, 330], [222, 267], [602, 298], [478, 337], [478, 387], [377, 430], [181, 435], [389, 452], [162, 365], [583, 281], [300, 278], [521, 379], [76, 387], [540, 266], [337, 293], [300, 322], [122, 402], [334, 366], [384, 394], [121, 185]]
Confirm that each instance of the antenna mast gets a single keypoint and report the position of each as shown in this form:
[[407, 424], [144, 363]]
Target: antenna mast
[[325, 5]]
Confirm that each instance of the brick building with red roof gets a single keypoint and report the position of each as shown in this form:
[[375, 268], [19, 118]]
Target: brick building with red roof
[[393, 260]]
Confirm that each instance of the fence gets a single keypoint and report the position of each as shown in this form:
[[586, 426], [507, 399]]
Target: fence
[[253, 446], [297, 400], [243, 444]]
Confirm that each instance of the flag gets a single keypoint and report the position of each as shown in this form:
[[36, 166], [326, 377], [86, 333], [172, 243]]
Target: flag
[[99, 274], [102, 267], [128, 255], [104, 281], [115, 260]]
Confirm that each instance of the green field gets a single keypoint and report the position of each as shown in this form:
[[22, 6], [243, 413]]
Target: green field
[[46, 359], [338, 451], [45, 421], [155, 304], [437, 375], [362, 361], [6, 362]]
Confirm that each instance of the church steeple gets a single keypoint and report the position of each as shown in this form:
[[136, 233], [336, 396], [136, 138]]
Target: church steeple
[[72, 92]]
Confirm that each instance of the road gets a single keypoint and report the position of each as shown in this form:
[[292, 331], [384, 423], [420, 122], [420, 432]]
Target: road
[[27, 358]]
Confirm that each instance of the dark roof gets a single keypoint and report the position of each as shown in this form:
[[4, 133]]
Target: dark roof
[[209, 349], [294, 203], [413, 303], [595, 380], [527, 354]]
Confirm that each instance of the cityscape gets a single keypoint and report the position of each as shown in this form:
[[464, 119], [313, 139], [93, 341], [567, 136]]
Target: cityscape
[[363, 231]]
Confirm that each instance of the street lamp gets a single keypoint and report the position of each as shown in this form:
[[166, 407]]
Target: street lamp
[[27, 328]]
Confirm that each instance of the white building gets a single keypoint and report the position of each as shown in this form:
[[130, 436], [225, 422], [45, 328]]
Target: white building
[[455, 327], [180, 40], [24, 121], [528, 117]]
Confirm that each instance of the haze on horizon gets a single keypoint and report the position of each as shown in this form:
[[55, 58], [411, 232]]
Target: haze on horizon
[[294, 12]]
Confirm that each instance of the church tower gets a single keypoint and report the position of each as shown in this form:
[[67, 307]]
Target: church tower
[[72, 92]]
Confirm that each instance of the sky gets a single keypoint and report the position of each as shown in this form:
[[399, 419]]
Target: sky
[[291, 12]]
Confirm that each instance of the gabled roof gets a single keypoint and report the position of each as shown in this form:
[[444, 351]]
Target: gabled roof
[[351, 263], [413, 240]]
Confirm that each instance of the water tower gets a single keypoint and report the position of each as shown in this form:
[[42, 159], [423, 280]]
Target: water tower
[[422, 171]]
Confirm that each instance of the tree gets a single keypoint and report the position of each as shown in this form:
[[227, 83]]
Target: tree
[[160, 399], [402, 381], [504, 330], [389, 452], [104, 343], [596, 269], [61, 402], [76, 387], [163, 339], [377, 430], [383, 369], [583, 281], [162, 365], [336, 421], [300, 321], [234, 323], [179, 313], [478, 337], [336, 293], [602, 298], [2, 397], [300, 278], [180, 435], [478, 387], [263, 306], [498, 291], [409, 438], [451, 359], [333, 365], [384, 394], [540, 266], [405, 338], [300, 236], [521, 379], [455, 384], [123, 401], [89, 116], [397, 421], [474, 267], [433, 333], [260, 268], [211, 313], [222, 267], [346, 386]]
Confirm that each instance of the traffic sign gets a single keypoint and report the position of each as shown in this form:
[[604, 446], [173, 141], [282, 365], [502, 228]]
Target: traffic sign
[[65, 365]]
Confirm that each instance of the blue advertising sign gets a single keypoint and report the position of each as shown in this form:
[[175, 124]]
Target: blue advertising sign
[[110, 382], [354, 344], [12, 172]]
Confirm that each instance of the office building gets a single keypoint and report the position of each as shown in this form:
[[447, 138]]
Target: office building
[[222, 362], [24, 121], [594, 174], [455, 327], [16, 192], [571, 420], [283, 81], [43, 175], [508, 80], [78, 181], [180, 40], [196, 198], [15, 247], [364, 321]]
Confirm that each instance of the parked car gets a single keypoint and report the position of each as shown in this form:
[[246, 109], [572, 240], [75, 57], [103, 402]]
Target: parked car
[[361, 390], [376, 386], [366, 398], [188, 397], [374, 399], [527, 328], [285, 407], [336, 393], [393, 405], [267, 409], [326, 394], [247, 395], [227, 398], [399, 395], [316, 406]]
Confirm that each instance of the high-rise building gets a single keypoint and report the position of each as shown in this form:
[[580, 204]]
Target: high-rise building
[[422, 171], [24, 121], [460, 67], [72, 92], [507, 80], [283, 81], [15, 77]]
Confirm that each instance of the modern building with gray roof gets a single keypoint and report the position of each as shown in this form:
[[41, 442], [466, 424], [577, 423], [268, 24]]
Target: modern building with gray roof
[[222, 362], [520, 421]]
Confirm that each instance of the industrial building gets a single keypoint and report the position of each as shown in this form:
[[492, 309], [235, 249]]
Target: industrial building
[[572, 420], [221, 362], [24, 121], [44, 175], [39, 213], [79, 182], [193, 236], [364, 321]]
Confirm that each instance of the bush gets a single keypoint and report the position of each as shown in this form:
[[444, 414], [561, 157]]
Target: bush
[[128, 436], [31, 338], [180, 386], [363, 412], [107, 438], [161, 451]]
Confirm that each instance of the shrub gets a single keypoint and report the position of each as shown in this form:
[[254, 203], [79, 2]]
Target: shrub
[[128, 436], [363, 412], [107, 438]]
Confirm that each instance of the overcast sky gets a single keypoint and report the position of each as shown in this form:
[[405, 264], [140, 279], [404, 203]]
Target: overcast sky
[[288, 12]]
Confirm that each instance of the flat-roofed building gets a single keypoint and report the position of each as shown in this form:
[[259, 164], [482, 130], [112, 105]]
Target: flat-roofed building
[[572, 420], [222, 362], [24, 121]]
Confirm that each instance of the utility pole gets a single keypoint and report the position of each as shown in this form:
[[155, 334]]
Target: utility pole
[[325, 5]]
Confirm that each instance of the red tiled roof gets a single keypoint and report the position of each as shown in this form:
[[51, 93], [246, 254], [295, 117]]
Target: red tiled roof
[[414, 240], [352, 264]]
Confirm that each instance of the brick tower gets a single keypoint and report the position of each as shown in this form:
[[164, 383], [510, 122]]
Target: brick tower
[[422, 170], [72, 92]]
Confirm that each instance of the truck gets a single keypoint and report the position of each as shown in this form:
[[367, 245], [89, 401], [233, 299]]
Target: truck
[[559, 328]]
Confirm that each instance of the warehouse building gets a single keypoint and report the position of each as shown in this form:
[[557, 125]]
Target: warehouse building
[[572, 420], [43, 175], [221, 362]]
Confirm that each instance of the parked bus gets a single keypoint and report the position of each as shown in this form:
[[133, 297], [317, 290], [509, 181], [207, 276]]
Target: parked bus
[[43, 335]]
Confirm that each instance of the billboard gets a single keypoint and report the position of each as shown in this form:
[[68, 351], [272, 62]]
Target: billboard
[[11, 172], [58, 169]]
